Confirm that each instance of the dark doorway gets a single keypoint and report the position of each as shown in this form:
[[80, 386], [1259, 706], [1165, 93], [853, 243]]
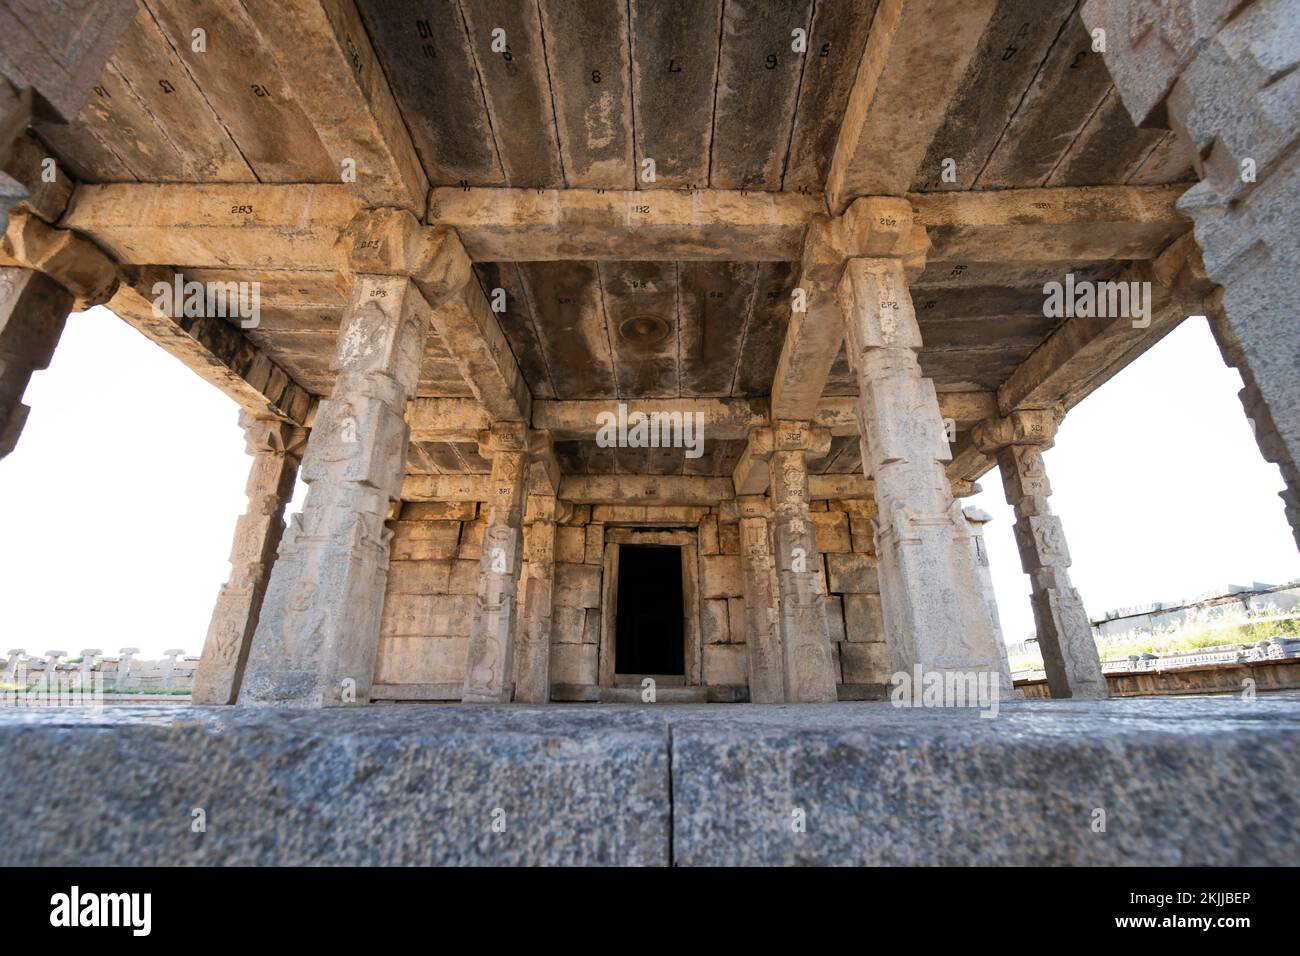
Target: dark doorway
[[648, 632]]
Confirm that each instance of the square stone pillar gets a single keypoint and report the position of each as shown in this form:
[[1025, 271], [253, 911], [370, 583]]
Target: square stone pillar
[[976, 519], [1064, 631], [537, 584], [277, 450], [935, 616], [490, 669], [33, 310], [762, 621], [805, 633], [318, 632]]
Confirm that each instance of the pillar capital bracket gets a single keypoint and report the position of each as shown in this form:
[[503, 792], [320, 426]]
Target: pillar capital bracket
[[503, 437], [801, 436], [873, 227], [75, 263], [1026, 426], [272, 436], [394, 242]]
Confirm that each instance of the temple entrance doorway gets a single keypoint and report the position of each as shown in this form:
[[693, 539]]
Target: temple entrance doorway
[[649, 634]]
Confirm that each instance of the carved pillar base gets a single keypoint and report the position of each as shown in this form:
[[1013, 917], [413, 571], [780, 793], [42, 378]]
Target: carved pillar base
[[930, 592], [276, 449], [490, 668], [33, 311], [805, 633], [319, 628]]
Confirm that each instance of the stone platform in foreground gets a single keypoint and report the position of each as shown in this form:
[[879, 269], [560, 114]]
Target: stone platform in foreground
[[1190, 781]]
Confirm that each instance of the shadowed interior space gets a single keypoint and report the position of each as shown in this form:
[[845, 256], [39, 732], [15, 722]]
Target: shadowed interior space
[[649, 638]]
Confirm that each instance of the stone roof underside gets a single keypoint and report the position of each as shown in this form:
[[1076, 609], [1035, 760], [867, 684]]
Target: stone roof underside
[[189, 146]]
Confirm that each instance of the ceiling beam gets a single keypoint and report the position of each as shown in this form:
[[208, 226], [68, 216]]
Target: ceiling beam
[[509, 225], [916, 54], [1086, 352], [879, 226], [214, 349], [1084, 223], [254, 225], [644, 489], [326, 58], [461, 419]]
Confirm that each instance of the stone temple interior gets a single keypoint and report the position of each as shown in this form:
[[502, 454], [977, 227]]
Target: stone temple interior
[[628, 340]]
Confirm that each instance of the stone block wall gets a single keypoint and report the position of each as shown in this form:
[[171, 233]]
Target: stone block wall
[[433, 576], [433, 582], [575, 615]]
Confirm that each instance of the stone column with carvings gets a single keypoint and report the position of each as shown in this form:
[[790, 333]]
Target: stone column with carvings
[[537, 585], [1222, 75], [1064, 632], [934, 614], [489, 671], [805, 634], [318, 632], [976, 519], [762, 621], [33, 310], [277, 450]]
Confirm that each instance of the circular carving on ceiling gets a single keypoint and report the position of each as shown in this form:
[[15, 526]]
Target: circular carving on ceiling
[[643, 330]]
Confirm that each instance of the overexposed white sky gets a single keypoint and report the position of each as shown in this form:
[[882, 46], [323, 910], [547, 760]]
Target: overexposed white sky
[[119, 503]]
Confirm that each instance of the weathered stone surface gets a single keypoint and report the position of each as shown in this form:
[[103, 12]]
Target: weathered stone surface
[[571, 545], [762, 631], [955, 791], [934, 614], [725, 664], [577, 585], [276, 449], [387, 785], [805, 637], [863, 618], [490, 672], [319, 628], [568, 625], [865, 663], [1064, 631], [584, 786], [33, 309], [574, 663], [721, 576], [852, 574], [537, 583], [714, 628]]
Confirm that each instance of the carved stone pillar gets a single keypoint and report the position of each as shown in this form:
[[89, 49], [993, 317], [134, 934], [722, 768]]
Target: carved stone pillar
[[489, 672], [537, 584], [805, 633], [319, 629], [1222, 75], [1064, 632], [277, 450], [976, 519], [762, 620], [33, 310], [929, 587]]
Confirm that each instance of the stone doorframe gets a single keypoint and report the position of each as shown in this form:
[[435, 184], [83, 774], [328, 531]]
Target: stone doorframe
[[689, 544]]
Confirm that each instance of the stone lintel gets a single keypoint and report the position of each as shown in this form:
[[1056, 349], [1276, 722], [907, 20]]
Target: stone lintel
[[514, 225]]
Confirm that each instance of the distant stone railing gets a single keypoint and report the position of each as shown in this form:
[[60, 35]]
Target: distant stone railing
[[120, 673], [1224, 668]]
